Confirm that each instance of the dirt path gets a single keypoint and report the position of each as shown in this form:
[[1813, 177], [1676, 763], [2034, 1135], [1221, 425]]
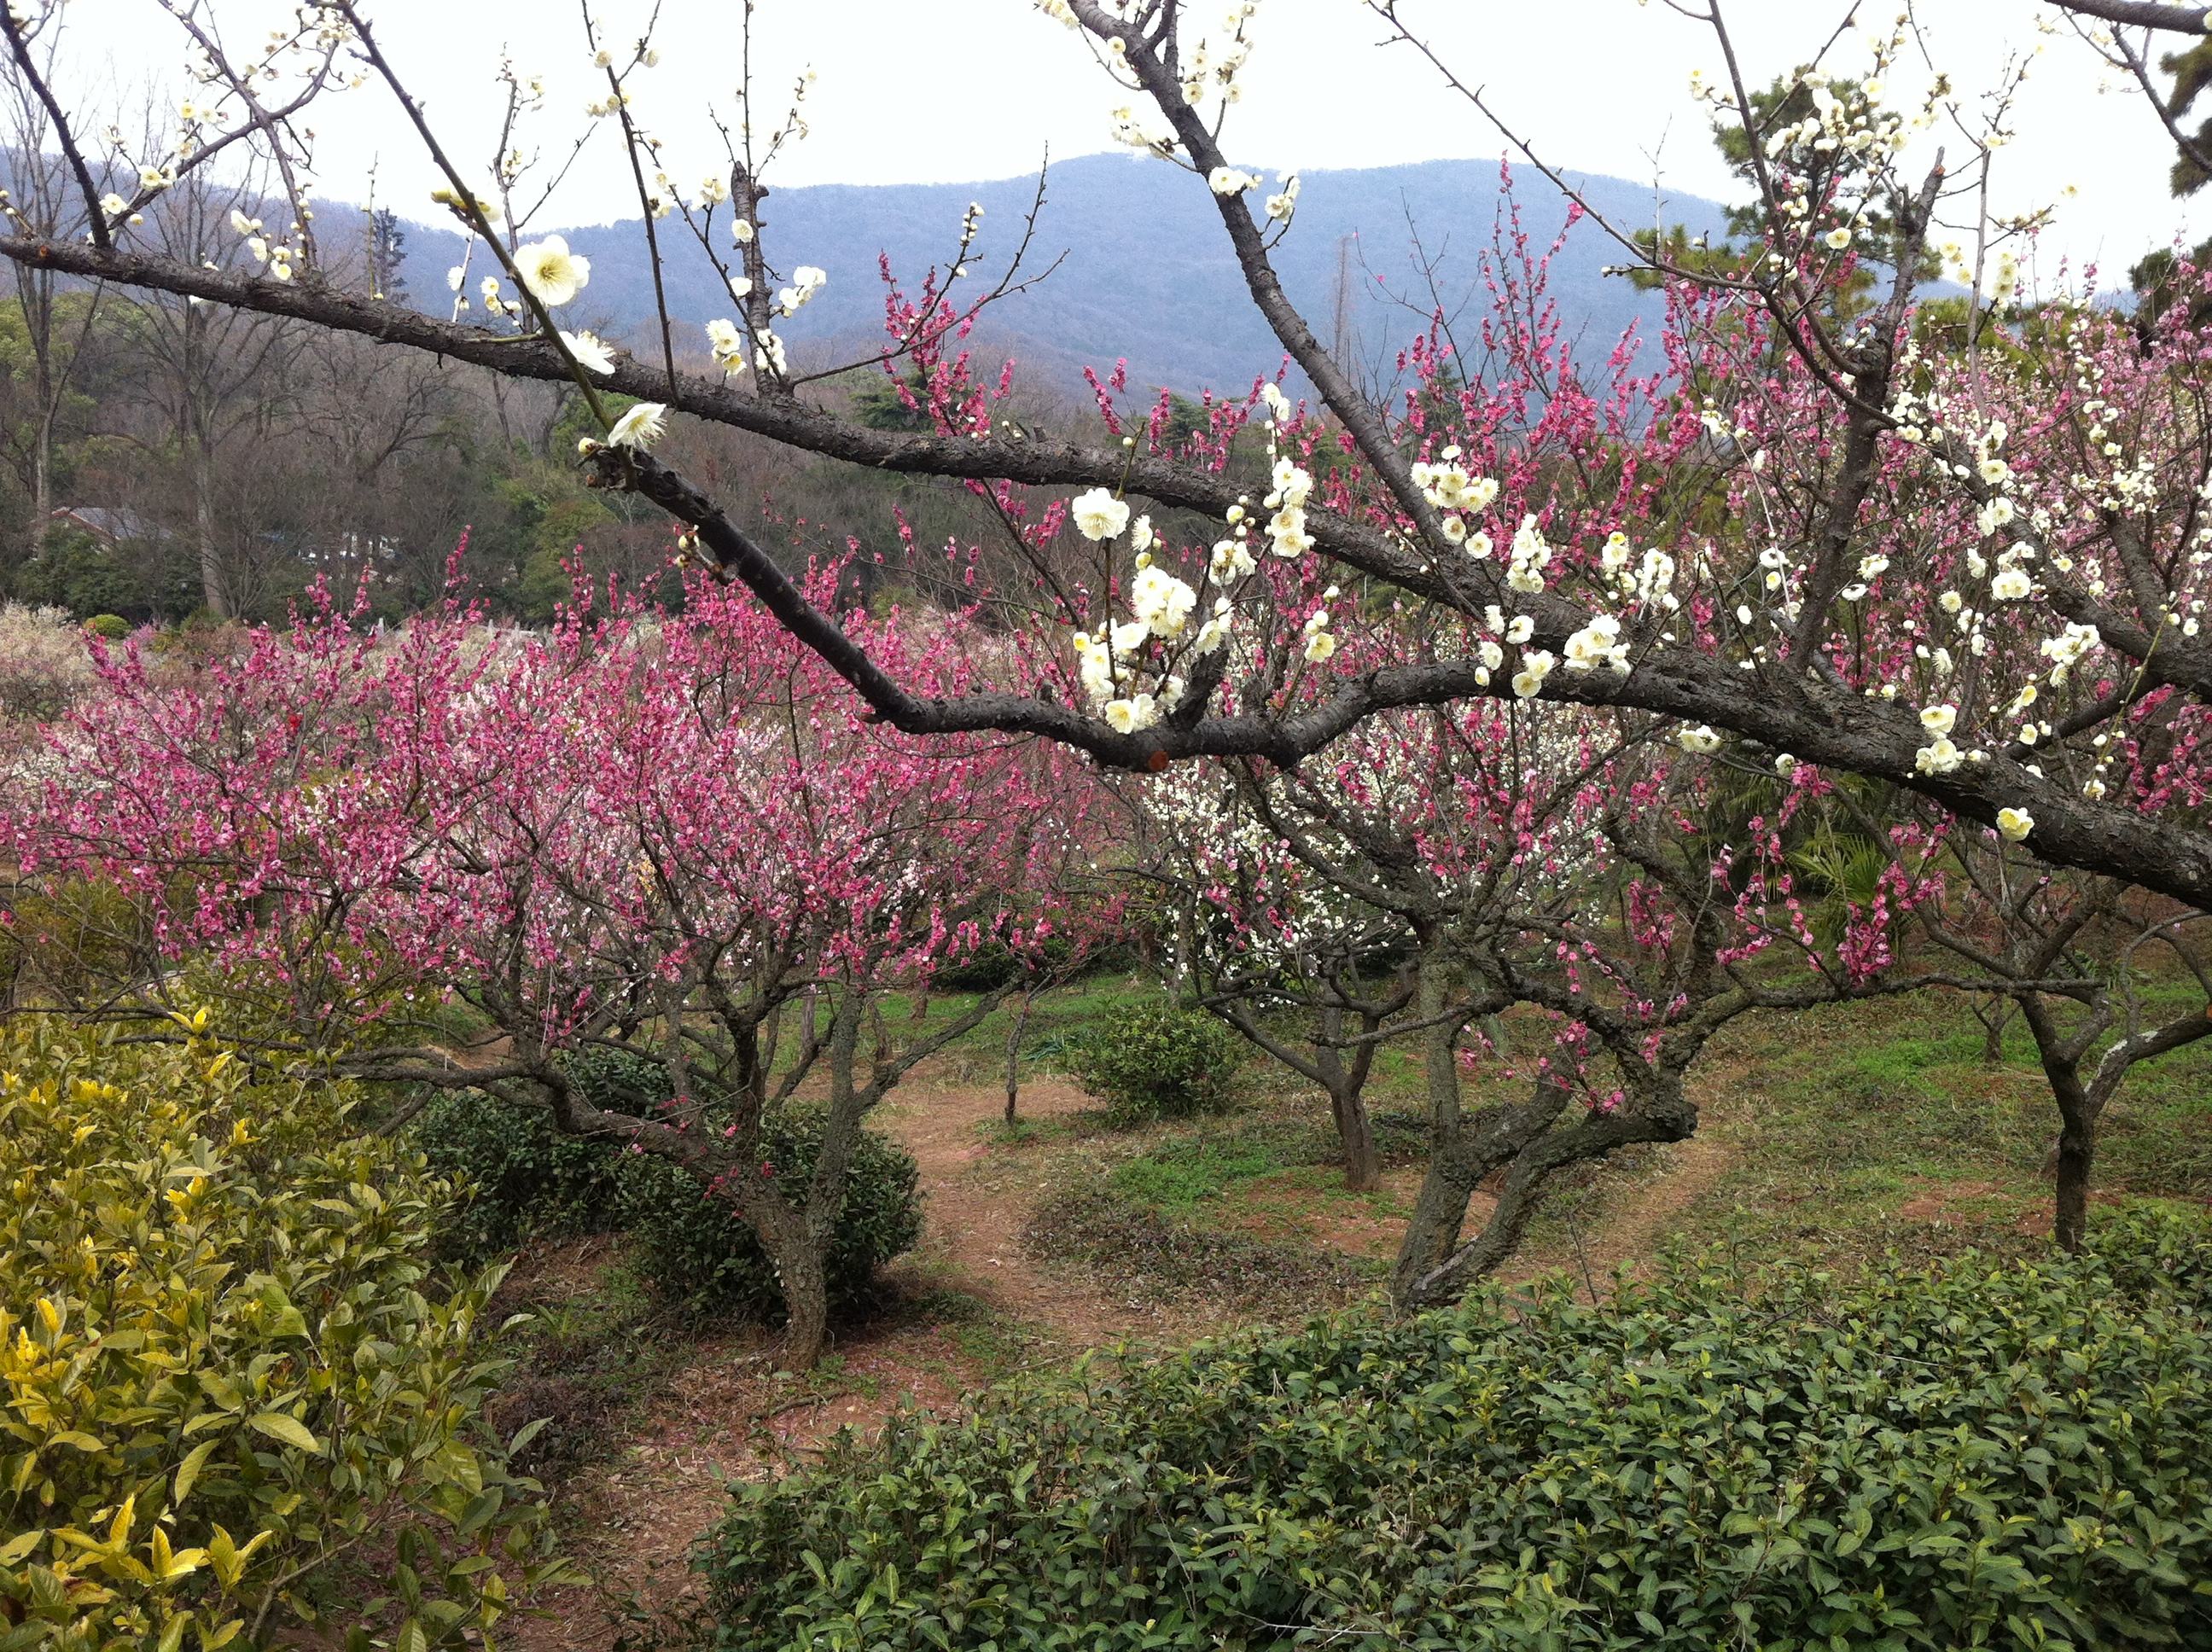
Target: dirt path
[[978, 1197]]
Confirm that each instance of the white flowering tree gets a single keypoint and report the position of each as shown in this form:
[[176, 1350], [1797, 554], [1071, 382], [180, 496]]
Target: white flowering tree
[[1304, 968]]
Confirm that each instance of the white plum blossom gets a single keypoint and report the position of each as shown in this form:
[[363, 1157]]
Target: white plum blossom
[[640, 428], [591, 352], [1699, 741], [1654, 578], [1232, 559], [1597, 644], [727, 341], [1530, 556], [805, 281], [2068, 647], [1129, 716], [1939, 720], [2014, 825], [2011, 585], [1536, 665], [1939, 758], [1162, 601], [1098, 515], [553, 274]]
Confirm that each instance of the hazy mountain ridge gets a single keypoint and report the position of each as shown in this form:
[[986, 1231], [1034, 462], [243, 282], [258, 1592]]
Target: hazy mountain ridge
[[1147, 274]]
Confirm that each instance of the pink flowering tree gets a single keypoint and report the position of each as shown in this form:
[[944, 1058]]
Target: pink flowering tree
[[1803, 411], [458, 860], [1812, 521]]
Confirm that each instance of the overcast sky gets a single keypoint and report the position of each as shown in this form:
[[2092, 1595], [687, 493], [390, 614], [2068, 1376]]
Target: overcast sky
[[950, 90]]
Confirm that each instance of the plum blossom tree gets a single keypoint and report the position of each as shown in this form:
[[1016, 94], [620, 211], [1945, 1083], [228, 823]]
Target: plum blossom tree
[[1303, 968], [1437, 872], [1800, 530], [458, 862], [1774, 681]]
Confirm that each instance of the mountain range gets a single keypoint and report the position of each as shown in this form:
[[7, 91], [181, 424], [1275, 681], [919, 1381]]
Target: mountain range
[[1144, 272]]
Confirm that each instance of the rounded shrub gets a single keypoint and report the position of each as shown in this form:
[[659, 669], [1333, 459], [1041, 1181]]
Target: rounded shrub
[[1159, 1062], [1974, 1454], [525, 1178], [111, 626], [691, 1245]]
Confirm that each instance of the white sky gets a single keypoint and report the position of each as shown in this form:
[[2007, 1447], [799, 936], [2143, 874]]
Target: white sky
[[950, 90]]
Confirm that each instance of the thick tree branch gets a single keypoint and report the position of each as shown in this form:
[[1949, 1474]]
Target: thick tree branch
[[2142, 14]]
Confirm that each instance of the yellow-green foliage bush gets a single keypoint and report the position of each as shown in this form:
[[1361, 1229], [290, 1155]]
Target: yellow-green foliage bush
[[224, 1367]]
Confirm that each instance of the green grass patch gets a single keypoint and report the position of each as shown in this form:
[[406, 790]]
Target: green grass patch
[[1181, 1174]]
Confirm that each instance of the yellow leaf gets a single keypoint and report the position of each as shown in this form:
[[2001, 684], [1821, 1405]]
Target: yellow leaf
[[289, 1429], [15, 1548], [188, 1472]]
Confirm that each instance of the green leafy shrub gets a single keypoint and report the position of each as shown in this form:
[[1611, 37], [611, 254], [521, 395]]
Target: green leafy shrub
[[112, 626], [1967, 1454], [691, 1245], [223, 1364], [524, 1177], [1160, 1062], [529, 1180]]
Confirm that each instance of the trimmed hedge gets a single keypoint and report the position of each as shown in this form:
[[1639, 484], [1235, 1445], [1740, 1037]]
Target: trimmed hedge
[[1977, 1453], [528, 1179], [224, 1363], [522, 1178]]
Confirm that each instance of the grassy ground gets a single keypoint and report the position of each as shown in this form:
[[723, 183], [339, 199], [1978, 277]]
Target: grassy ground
[[1842, 1130]]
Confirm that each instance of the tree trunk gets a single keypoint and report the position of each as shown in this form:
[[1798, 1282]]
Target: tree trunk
[[1347, 1104], [1440, 1207], [1993, 1021], [211, 582], [806, 1301], [2076, 1159], [1363, 1166], [1014, 1053]]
